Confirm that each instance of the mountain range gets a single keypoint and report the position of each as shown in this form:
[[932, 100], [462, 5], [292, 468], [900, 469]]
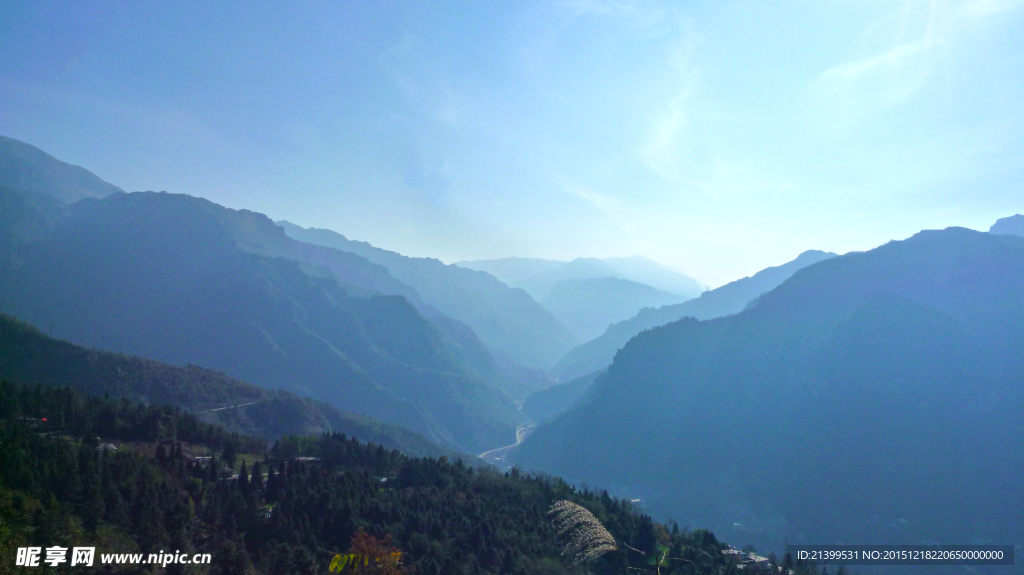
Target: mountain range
[[588, 306], [538, 276], [872, 397], [183, 280], [731, 298], [589, 294], [511, 324]]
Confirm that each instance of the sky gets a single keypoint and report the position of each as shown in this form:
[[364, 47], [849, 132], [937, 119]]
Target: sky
[[718, 138]]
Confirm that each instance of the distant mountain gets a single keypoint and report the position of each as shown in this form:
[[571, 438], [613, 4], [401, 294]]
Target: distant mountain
[[26, 167], [646, 271], [514, 327], [588, 306], [874, 397], [28, 356], [513, 270], [539, 276], [540, 285], [185, 281], [1013, 225], [728, 299], [559, 398]]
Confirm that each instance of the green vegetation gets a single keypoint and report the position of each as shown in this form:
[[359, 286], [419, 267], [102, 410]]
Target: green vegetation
[[29, 356], [286, 515]]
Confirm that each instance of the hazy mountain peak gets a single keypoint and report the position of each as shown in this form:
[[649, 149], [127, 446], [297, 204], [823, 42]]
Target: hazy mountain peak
[[26, 167], [1013, 225], [647, 271]]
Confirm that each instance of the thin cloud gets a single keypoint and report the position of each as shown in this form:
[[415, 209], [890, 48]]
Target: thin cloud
[[662, 151], [605, 203]]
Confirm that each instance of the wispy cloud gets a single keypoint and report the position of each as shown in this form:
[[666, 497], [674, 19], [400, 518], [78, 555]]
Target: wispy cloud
[[899, 71], [603, 202], [895, 56], [665, 143]]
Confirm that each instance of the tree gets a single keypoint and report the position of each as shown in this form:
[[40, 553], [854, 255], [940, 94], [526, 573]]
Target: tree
[[229, 455], [367, 555]]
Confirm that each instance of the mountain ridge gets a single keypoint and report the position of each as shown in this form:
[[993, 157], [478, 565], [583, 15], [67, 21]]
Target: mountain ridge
[[182, 280], [507, 320], [27, 167], [731, 298], [858, 380]]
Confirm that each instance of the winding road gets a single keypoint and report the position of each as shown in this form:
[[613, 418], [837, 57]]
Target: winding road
[[496, 457]]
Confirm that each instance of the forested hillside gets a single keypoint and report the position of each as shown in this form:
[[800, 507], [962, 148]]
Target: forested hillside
[[260, 510], [29, 356]]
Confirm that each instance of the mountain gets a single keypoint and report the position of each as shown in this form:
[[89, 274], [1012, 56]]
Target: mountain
[[731, 298], [646, 271], [26, 167], [513, 270], [25, 216], [507, 321], [28, 356], [873, 397], [588, 306], [558, 398], [184, 281], [540, 285], [1013, 225], [538, 276]]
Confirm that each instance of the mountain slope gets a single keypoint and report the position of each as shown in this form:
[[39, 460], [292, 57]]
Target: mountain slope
[[728, 299], [559, 398], [873, 397], [511, 324], [588, 306], [26, 167], [30, 357], [182, 280]]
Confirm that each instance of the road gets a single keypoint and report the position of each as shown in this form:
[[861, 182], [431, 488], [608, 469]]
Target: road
[[230, 407], [496, 457]]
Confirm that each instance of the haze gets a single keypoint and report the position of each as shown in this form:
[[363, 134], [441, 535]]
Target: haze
[[717, 138]]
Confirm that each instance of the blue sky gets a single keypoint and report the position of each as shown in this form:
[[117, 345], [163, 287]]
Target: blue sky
[[716, 137]]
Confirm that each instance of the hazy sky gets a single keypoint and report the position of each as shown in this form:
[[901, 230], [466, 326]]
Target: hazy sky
[[716, 137]]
